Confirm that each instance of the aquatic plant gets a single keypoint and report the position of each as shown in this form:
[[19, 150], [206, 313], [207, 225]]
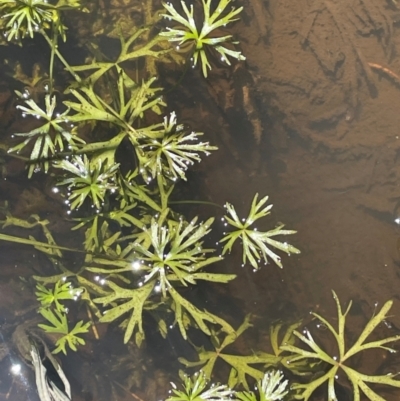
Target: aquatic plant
[[51, 136], [138, 45], [272, 387], [176, 253], [62, 291], [133, 100], [164, 255], [139, 255], [360, 382], [171, 150], [23, 18], [241, 366], [89, 180], [256, 244], [188, 36], [197, 388], [59, 325]]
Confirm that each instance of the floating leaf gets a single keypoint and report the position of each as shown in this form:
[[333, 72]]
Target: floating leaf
[[26, 17], [358, 380], [197, 388], [272, 387], [49, 137], [170, 150], [88, 180], [256, 244], [61, 292], [188, 35], [59, 325]]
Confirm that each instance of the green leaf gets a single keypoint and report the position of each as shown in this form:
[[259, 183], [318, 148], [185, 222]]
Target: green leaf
[[61, 291], [272, 387], [357, 379], [136, 46], [129, 301], [170, 150], [50, 137], [26, 17], [133, 102], [59, 325], [197, 388], [185, 310], [242, 366], [174, 252], [72, 339], [256, 244], [189, 36], [88, 181]]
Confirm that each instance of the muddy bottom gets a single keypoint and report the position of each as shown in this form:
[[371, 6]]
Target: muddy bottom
[[311, 120]]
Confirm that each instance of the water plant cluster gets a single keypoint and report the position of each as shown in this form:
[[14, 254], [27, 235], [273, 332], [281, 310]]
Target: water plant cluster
[[139, 253]]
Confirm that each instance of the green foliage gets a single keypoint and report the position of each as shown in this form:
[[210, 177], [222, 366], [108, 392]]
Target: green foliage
[[91, 180], [176, 253], [241, 365], [197, 388], [59, 325], [50, 137], [127, 301], [139, 256], [188, 35], [256, 244], [166, 253], [132, 101], [169, 151], [272, 387], [61, 292], [358, 380], [23, 18], [300, 368], [137, 46]]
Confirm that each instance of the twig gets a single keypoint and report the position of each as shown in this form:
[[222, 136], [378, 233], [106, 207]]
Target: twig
[[93, 325], [135, 396], [385, 71]]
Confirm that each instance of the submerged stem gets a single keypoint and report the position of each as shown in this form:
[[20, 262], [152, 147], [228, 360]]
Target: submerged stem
[[59, 55], [53, 48]]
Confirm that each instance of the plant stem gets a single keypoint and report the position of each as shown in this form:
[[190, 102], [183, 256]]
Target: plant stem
[[164, 196], [53, 47], [59, 55], [194, 202], [34, 243]]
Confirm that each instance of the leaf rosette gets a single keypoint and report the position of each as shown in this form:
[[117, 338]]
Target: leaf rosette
[[171, 150], [256, 244], [175, 252], [188, 35], [50, 137], [198, 388], [360, 382], [89, 180]]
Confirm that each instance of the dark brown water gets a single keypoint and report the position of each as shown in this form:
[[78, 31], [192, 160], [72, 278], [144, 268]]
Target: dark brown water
[[307, 120]]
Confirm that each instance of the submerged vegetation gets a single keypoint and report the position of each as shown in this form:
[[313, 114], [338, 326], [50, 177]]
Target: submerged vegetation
[[139, 253], [339, 362], [256, 244], [188, 35]]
